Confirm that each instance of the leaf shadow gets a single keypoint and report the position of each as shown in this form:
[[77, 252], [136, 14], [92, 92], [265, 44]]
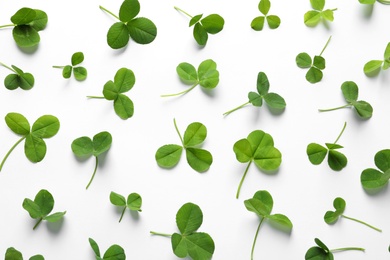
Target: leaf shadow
[[81, 159], [367, 11], [134, 215], [119, 52], [102, 159], [326, 24], [377, 192], [276, 111], [268, 172], [55, 227], [209, 92], [283, 229], [28, 50]]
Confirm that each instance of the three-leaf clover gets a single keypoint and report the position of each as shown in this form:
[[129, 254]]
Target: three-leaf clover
[[34, 147], [212, 24], [207, 76], [124, 81], [167, 156], [351, 92], [18, 78], [27, 23], [273, 21], [373, 67], [197, 245], [80, 73], [273, 100], [304, 61], [336, 160], [262, 204], [84, 147], [141, 29], [41, 207], [259, 148], [134, 202], [322, 252], [13, 254], [376, 179], [313, 17], [339, 204], [114, 252]]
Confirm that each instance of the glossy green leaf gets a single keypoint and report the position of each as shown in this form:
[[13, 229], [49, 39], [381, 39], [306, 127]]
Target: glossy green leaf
[[331, 217], [26, 81], [333, 146], [317, 4], [262, 202], [213, 23], [314, 75], [45, 201], [134, 201], [386, 55], [17, 123], [101, 143], [179, 245], [262, 83], [243, 150], [128, 10], [25, 36], [32, 208], [124, 107], [328, 15], [45, 126], [195, 134], [124, 80], [110, 90], [77, 58], [303, 60], [199, 159], [317, 253], [367, 2], [13, 254], [374, 179], [273, 21], [268, 158], [11, 82], [264, 6], [372, 67], [336, 160], [321, 244], [208, 74], [80, 73], [37, 257], [187, 73], [350, 91], [117, 199], [118, 35], [55, 217], [257, 23], [82, 146], [255, 99], [67, 71], [319, 62], [114, 252], [259, 139], [382, 160], [363, 109], [200, 34], [189, 218], [23, 16], [34, 148], [142, 30], [198, 246], [312, 18], [275, 101], [281, 220], [316, 153], [195, 19], [94, 246], [40, 20], [169, 155]]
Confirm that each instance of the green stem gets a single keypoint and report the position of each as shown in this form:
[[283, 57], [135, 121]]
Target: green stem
[[254, 241], [9, 152], [94, 172], [7, 25], [326, 45], [96, 97], [234, 109], [242, 179], [347, 249], [37, 224], [123, 212], [58, 67], [184, 12], [177, 130], [107, 11], [5, 66], [335, 9], [331, 109], [160, 234], [181, 93], [342, 131], [362, 222]]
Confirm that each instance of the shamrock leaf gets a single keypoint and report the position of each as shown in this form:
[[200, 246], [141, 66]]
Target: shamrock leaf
[[273, 21], [80, 73], [134, 202], [18, 78], [313, 17], [13, 254], [321, 251], [114, 252], [377, 179], [373, 67]]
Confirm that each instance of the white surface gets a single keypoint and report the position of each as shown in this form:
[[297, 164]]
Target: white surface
[[300, 190]]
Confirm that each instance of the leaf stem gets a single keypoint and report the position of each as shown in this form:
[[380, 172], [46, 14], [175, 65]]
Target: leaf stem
[[254, 241], [96, 97], [362, 222], [7, 25], [178, 132], [181, 93], [234, 109], [334, 9], [184, 12], [107, 11], [9, 152], [123, 212], [242, 179], [331, 109], [326, 45], [94, 172], [160, 234], [5, 66], [37, 224], [346, 249], [58, 67], [342, 131]]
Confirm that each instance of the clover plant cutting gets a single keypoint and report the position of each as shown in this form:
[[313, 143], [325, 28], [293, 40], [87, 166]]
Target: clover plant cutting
[[313, 17], [207, 76], [373, 67], [41, 207], [351, 92], [13, 254], [80, 73], [167, 156], [124, 81], [273, 100], [84, 147], [259, 148], [211, 24], [315, 65], [18, 78], [114, 252], [190, 242], [373, 179], [262, 204], [336, 160], [273, 21], [134, 202], [332, 217], [34, 146], [140, 29], [27, 23], [322, 252]]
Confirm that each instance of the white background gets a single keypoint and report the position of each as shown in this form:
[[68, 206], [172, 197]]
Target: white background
[[301, 191]]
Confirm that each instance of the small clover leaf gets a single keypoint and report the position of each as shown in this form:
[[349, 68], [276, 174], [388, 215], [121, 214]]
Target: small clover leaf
[[273, 21], [134, 202], [321, 251], [374, 179], [18, 78], [313, 17], [373, 67], [80, 73], [114, 252], [13, 254]]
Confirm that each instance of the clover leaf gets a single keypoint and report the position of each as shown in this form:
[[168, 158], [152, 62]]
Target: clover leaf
[[114, 252], [140, 29], [373, 67], [315, 65], [317, 153], [371, 2], [377, 179], [134, 202], [259, 148], [124, 81], [273, 100], [321, 251], [34, 146], [18, 78], [13, 254], [262, 204], [80, 73], [196, 245], [84, 147], [27, 23], [41, 207], [167, 156], [273, 21], [313, 17]]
